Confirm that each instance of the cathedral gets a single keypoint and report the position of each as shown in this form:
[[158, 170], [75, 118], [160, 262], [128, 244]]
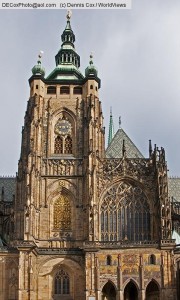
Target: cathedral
[[79, 221]]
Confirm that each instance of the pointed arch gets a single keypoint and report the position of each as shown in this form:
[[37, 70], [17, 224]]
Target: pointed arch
[[109, 291], [152, 290], [131, 291]]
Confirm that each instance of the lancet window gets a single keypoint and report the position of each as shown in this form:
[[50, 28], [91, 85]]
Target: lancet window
[[58, 145], [62, 283], [62, 214], [63, 143], [125, 214]]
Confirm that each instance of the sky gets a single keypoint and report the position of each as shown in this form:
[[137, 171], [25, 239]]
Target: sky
[[136, 51]]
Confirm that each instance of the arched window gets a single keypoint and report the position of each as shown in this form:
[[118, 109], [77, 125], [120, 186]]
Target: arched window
[[58, 145], [152, 259], [51, 90], [125, 214], [63, 143], [91, 87], [62, 214], [108, 260], [64, 90], [68, 145], [77, 90], [62, 283]]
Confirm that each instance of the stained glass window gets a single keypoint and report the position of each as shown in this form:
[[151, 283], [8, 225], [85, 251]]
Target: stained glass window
[[58, 145], [68, 145], [62, 213], [62, 283], [125, 214]]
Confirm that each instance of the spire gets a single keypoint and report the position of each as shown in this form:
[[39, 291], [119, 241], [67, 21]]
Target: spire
[[150, 148], [67, 54], [111, 128], [120, 122], [38, 69], [67, 60]]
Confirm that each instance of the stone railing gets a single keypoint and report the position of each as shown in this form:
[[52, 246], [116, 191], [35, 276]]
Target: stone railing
[[57, 251], [62, 167], [120, 244]]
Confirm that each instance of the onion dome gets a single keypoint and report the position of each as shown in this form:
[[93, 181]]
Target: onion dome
[[91, 70], [38, 69]]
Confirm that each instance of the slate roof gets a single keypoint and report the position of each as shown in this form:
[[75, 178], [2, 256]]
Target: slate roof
[[174, 188], [7, 188], [176, 236], [114, 150]]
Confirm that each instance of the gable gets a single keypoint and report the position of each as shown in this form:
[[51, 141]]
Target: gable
[[114, 150]]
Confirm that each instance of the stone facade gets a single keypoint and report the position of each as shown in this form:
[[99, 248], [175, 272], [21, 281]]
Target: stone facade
[[86, 227]]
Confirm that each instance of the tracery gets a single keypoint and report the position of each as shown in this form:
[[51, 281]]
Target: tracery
[[125, 214], [62, 283], [62, 213], [63, 143]]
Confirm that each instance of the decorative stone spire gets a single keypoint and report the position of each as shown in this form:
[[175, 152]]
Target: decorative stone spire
[[91, 69], [111, 128], [67, 54], [38, 69]]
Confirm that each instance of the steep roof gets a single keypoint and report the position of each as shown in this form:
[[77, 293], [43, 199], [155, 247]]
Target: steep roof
[[7, 188], [176, 236], [174, 188], [114, 149]]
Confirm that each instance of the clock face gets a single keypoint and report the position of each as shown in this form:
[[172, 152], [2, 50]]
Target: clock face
[[63, 127]]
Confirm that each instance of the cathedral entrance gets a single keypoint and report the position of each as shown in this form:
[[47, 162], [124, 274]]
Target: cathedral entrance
[[130, 292], [152, 291], [108, 292]]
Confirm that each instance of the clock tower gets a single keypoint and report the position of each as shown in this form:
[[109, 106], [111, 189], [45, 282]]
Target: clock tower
[[55, 213]]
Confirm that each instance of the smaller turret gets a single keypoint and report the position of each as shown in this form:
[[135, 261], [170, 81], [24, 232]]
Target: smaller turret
[[38, 69], [91, 70]]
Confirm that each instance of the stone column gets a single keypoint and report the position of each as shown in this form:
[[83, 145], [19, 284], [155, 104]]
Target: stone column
[[141, 276], [96, 278], [119, 280]]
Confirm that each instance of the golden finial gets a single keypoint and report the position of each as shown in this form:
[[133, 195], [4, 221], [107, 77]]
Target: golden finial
[[69, 14]]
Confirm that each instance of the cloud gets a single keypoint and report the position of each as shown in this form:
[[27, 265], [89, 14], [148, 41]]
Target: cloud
[[137, 55]]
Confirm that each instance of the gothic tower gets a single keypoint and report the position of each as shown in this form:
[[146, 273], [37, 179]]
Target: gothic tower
[[61, 138], [88, 225]]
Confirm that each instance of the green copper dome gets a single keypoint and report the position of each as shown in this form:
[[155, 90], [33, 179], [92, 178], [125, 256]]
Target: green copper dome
[[38, 69], [91, 70]]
